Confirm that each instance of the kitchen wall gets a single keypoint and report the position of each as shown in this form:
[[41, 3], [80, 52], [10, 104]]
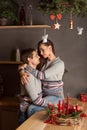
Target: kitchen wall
[[69, 46]]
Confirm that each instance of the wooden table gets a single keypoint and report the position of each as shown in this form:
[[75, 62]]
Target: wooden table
[[36, 122]]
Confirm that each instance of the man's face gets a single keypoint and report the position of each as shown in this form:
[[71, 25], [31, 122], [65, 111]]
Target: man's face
[[36, 59]]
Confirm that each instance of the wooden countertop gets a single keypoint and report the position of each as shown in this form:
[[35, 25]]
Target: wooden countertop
[[36, 122], [9, 102]]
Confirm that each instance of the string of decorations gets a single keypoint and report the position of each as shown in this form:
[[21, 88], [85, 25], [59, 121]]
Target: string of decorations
[[57, 8], [78, 7]]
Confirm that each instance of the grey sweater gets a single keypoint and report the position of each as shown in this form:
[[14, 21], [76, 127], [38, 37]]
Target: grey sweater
[[51, 77]]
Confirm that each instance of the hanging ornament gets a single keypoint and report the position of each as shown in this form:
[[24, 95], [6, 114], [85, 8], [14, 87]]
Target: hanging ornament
[[52, 16], [71, 24], [59, 16], [56, 26], [79, 30]]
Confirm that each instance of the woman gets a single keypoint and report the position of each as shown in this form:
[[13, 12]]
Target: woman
[[51, 74]]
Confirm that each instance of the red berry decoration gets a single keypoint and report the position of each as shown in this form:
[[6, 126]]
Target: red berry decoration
[[59, 16], [52, 17], [83, 115]]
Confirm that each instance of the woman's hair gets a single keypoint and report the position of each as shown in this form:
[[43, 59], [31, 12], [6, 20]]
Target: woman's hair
[[43, 60], [48, 43]]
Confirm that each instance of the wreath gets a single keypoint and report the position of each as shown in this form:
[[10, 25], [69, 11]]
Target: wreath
[[64, 113]]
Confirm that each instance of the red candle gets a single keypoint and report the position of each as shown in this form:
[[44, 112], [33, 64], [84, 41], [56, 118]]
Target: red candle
[[63, 106], [59, 106], [68, 100], [67, 105]]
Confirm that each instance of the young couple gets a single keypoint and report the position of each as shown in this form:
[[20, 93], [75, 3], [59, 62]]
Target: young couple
[[43, 86]]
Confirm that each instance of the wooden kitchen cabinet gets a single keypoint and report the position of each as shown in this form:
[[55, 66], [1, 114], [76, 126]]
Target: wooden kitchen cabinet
[[9, 110]]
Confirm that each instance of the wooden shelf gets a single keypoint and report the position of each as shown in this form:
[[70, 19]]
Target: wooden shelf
[[10, 62], [25, 27], [9, 102]]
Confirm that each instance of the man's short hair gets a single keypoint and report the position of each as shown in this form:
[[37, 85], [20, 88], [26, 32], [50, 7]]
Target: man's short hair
[[27, 53]]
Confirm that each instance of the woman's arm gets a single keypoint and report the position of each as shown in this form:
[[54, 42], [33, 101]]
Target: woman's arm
[[30, 87], [52, 70]]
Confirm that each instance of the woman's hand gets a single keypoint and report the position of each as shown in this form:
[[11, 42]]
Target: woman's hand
[[20, 67]]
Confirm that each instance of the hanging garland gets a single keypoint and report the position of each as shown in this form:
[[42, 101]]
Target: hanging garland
[[78, 7], [57, 8], [52, 6]]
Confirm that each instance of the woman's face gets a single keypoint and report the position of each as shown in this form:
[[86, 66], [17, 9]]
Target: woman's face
[[36, 58], [45, 50]]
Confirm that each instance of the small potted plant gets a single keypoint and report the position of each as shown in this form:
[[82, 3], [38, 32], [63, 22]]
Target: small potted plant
[[8, 12]]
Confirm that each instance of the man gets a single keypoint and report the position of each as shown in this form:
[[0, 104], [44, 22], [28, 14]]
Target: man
[[33, 85]]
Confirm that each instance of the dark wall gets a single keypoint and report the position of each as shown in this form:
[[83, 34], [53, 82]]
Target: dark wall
[[70, 46], [11, 82]]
